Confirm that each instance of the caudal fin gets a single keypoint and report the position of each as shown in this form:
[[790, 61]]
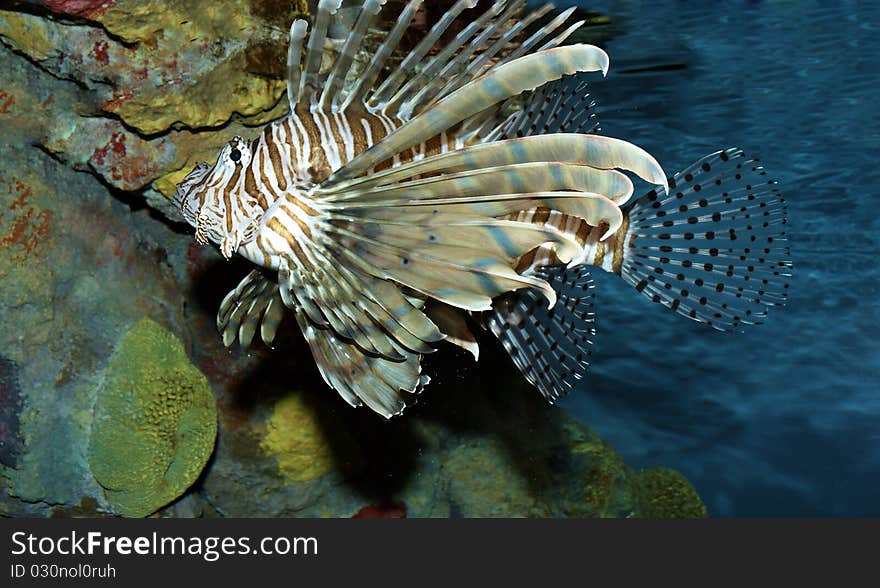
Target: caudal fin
[[551, 347], [714, 249]]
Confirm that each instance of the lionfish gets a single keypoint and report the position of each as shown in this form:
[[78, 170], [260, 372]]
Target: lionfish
[[395, 206]]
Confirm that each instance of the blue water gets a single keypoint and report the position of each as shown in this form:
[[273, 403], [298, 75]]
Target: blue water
[[784, 419]]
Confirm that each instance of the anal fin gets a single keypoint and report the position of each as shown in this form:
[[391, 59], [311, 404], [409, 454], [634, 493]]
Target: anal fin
[[550, 347]]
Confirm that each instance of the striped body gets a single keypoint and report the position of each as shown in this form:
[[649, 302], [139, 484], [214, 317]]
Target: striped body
[[315, 144], [287, 159], [294, 154], [607, 253]]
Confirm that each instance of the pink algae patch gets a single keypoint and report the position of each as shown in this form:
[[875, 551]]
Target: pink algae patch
[[125, 161], [84, 8], [382, 511], [119, 98], [24, 226]]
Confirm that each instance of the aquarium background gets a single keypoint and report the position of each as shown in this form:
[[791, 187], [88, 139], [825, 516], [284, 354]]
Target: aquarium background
[[783, 419], [106, 105]]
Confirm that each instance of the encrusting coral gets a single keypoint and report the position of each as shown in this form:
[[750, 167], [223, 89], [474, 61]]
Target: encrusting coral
[[665, 494], [300, 444], [155, 422]]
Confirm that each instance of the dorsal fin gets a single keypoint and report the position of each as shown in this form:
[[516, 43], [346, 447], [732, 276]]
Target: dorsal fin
[[428, 72], [563, 106]]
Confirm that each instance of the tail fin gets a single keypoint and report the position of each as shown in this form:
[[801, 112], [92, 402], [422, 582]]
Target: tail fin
[[713, 249], [550, 347]]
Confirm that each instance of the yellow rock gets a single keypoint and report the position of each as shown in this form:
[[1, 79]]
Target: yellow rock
[[140, 20], [209, 101], [483, 482], [244, 40], [295, 437], [30, 33]]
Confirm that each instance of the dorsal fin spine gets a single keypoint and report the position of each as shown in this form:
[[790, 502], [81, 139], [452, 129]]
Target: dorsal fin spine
[[330, 95], [315, 46], [365, 81], [390, 85]]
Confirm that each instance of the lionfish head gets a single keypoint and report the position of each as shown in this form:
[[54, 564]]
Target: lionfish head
[[212, 199]]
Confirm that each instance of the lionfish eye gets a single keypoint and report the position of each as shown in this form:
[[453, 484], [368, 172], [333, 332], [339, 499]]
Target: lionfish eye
[[235, 155]]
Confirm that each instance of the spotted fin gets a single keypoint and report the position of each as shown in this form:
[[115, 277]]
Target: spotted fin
[[255, 302], [360, 378], [713, 250], [550, 347], [563, 106]]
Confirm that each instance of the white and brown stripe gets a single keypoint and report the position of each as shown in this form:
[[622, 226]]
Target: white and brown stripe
[[606, 254], [296, 153]]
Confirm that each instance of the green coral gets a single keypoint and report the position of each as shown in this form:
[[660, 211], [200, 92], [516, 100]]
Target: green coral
[[666, 494], [155, 422]]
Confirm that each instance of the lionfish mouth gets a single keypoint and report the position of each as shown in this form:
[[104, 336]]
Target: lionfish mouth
[[183, 190]]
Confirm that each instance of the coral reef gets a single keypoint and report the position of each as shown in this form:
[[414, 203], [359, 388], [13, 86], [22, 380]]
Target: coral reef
[[155, 422], [459, 453]]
